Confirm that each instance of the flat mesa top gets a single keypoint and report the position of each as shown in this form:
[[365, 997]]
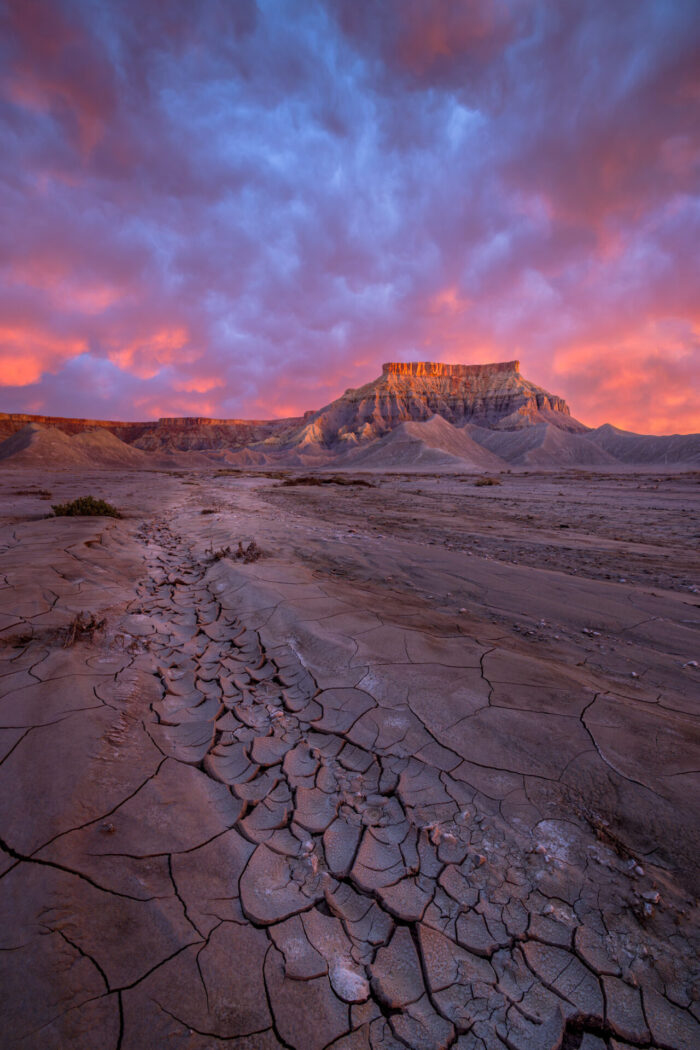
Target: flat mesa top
[[436, 368]]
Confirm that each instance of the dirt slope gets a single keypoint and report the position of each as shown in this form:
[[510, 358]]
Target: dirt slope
[[434, 443]]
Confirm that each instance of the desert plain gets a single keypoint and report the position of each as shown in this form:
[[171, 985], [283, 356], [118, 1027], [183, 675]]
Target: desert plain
[[354, 759]]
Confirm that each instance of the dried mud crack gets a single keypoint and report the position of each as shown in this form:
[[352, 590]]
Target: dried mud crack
[[289, 863]]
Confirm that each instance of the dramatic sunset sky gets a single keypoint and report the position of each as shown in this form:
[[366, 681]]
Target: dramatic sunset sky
[[242, 207]]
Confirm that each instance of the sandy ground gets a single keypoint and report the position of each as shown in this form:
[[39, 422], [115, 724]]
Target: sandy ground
[[424, 774]]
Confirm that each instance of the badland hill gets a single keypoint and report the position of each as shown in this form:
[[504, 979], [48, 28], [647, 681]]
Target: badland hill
[[418, 415]]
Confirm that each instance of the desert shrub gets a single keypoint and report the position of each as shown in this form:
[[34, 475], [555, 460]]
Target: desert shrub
[[486, 481], [208, 510], [87, 506]]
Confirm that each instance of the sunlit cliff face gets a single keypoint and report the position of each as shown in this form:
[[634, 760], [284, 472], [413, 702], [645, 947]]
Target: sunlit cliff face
[[242, 209]]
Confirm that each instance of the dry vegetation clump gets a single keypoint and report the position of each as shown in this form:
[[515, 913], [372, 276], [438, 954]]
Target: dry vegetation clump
[[316, 479], [17, 641], [486, 481], [82, 626], [87, 506], [223, 552], [247, 554], [242, 553], [208, 510]]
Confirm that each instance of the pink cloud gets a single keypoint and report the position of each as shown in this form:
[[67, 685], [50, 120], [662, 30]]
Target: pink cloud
[[241, 211], [27, 353], [146, 356], [199, 384], [658, 363]]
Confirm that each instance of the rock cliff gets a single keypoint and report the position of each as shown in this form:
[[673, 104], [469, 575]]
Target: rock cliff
[[494, 395], [187, 434], [179, 434]]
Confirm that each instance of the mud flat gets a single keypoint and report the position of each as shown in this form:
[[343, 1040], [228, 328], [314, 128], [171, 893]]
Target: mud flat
[[419, 768]]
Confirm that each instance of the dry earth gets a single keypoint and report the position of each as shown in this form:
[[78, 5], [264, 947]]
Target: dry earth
[[422, 775]]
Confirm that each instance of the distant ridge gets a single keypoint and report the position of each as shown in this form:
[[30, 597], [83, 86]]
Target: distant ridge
[[415, 415], [50, 448]]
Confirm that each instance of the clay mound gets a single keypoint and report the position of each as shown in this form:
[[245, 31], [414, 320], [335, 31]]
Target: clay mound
[[643, 449], [542, 445], [49, 448], [104, 447], [38, 446], [435, 444]]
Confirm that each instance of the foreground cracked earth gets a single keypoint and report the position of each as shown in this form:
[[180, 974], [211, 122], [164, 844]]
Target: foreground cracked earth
[[261, 812]]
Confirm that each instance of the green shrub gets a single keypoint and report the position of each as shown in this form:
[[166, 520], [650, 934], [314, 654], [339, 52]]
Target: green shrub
[[86, 506]]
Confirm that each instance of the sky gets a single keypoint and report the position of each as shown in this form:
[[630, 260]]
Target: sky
[[240, 208]]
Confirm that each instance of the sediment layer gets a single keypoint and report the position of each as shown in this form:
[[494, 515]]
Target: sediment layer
[[435, 368]]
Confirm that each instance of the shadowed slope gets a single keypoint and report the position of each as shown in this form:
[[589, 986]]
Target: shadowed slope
[[543, 445], [646, 448]]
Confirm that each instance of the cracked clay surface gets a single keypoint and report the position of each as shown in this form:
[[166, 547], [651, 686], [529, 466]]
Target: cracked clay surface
[[423, 775]]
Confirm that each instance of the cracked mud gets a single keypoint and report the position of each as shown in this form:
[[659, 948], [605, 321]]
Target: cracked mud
[[399, 782]]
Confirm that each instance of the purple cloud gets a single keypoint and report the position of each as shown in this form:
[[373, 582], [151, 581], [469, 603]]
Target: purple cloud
[[241, 209]]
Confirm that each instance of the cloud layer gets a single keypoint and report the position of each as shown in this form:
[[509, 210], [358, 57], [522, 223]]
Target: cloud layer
[[241, 208]]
